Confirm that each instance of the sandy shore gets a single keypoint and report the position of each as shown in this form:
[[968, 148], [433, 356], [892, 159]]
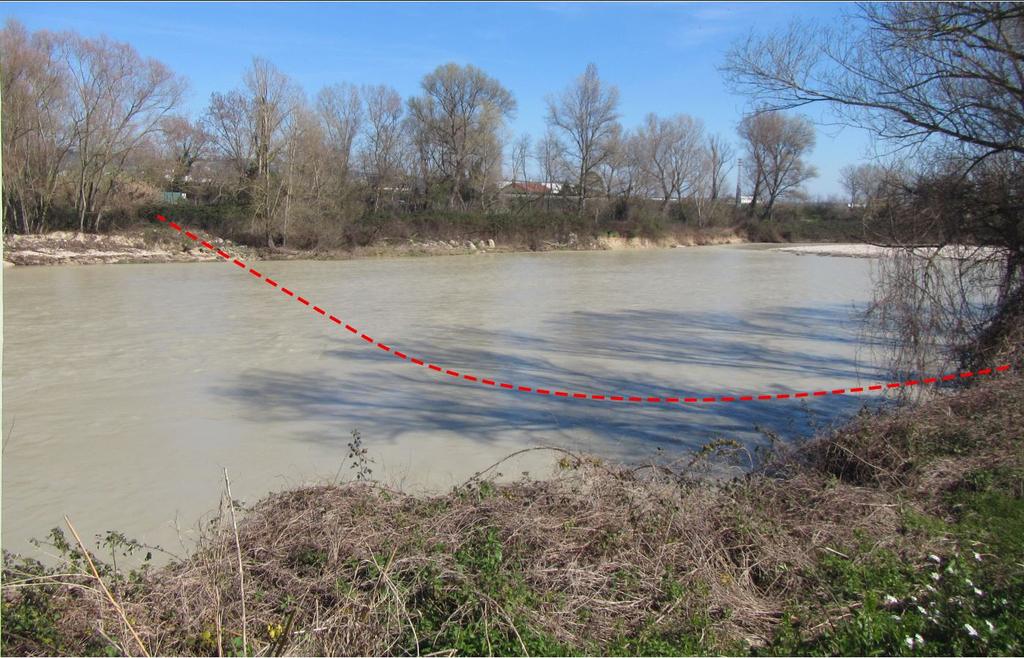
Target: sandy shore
[[72, 248], [874, 251]]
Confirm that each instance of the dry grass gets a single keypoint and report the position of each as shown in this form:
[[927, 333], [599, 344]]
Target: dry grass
[[579, 561]]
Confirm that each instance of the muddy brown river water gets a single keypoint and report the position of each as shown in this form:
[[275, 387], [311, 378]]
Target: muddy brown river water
[[127, 388]]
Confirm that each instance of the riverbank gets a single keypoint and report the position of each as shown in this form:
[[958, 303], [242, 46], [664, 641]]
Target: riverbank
[[73, 248], [158, 245], [898, 533], [877, 251]]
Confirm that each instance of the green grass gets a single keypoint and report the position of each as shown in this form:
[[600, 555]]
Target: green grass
[[968, 601]]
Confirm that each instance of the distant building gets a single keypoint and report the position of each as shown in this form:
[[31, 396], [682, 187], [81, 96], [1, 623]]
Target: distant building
[[174, 197], [528, 187], [746, 199]]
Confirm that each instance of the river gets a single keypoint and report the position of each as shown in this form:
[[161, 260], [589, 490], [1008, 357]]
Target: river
[[128, 388]]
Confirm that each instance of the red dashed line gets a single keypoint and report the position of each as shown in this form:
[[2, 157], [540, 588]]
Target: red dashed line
[[581, 396]]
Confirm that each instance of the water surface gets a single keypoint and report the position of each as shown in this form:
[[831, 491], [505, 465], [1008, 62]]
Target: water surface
[[127, 388]]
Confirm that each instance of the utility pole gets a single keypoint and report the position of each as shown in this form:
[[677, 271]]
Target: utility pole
[[739, 176]]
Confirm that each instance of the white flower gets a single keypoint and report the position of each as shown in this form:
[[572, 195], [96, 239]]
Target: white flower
[[920, 640], [891, 600], [971, 630], [934, 558], [909, 641], [978, 592]]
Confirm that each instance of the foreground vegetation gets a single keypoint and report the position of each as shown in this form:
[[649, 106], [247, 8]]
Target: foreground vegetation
[[901, 533]]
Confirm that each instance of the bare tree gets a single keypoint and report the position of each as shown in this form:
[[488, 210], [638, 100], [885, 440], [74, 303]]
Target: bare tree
[[458, 119], [117, 101], [943, 82], [775, 147], [37, 138], [307, 170], [719, 154], [341, 111], [550, 156], [184, 143], [866, 183], [609, 171], [382, 149], [906, 72], [273, 99], [671, 156], [249, 126], [587, 114], [520, 158]]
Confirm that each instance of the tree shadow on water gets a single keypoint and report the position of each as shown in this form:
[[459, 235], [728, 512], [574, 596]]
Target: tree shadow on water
[[389, 400]]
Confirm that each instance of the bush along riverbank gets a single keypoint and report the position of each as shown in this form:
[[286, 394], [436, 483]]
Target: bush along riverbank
[[899, 533], [138, 239]]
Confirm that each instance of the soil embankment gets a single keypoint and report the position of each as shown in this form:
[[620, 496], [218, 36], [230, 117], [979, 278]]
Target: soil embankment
[[152, 246], [72, 248]]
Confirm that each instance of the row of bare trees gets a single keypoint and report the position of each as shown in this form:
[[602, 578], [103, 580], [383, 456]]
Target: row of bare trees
[[92, 129], [75, 111]]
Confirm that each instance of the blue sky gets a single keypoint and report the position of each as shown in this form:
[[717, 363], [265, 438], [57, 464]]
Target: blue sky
[[663, 57]]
